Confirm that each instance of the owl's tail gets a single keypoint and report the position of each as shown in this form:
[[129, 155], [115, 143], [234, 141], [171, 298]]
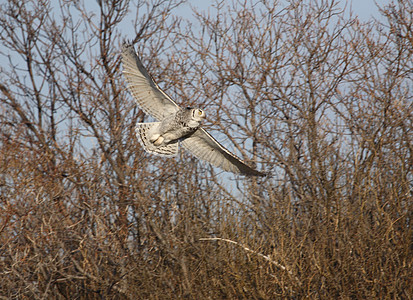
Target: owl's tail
[[143, 132]]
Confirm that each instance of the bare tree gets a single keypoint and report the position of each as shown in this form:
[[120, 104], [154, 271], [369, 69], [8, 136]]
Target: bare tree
[[304, 90]]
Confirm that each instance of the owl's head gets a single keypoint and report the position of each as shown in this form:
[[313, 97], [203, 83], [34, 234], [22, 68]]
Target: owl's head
[[198, 114]]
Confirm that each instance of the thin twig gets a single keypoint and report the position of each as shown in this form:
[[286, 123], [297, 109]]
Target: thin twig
[[266, 257]]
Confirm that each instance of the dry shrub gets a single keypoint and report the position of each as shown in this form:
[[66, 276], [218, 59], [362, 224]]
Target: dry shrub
[[314, 96]]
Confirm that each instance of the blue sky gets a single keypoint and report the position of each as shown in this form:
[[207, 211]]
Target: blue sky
[[365, 9]]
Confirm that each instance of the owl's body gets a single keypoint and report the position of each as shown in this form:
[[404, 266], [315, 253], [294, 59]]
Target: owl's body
[[175, 125], [162, 138]]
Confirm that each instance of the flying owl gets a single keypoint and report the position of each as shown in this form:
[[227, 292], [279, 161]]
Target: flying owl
[[175, 125]]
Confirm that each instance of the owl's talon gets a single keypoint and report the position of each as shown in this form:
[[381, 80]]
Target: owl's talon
[[158, 141]]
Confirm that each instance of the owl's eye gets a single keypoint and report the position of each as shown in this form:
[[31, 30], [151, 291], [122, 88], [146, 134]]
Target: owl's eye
[[200, 112]]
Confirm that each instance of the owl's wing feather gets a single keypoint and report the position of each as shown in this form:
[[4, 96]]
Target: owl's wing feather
[[205, 147], [148, 95]]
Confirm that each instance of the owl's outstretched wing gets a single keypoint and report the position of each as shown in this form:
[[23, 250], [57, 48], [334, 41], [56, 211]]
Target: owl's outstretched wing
[[151, 99], [205, 147]]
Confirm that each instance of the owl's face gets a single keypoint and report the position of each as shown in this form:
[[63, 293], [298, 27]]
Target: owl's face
[[198, 114]]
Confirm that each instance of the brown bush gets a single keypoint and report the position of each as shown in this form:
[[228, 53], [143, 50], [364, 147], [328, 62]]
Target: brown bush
[[311, 94]]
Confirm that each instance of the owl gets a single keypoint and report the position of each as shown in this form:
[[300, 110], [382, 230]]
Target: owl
[[175, 125]]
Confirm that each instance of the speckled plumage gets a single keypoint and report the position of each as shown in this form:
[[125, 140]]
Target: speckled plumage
[[162, 138], [175, 124]]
